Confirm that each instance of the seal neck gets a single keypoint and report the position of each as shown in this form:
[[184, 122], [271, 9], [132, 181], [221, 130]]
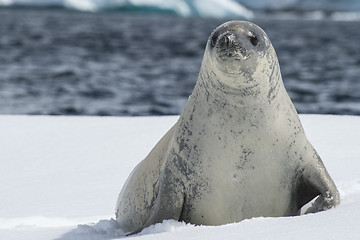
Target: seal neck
[[251, 95]]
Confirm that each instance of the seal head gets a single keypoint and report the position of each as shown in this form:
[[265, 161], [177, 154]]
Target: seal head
[[239, 54]]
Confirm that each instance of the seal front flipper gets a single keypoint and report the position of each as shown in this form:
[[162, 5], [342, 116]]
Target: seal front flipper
[[315, 180], [169, 202]]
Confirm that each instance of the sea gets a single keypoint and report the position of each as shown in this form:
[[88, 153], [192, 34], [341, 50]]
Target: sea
[[62, 62]]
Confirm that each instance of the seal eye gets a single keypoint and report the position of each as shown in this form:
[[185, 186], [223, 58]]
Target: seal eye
[[214, 39], [254, 40]]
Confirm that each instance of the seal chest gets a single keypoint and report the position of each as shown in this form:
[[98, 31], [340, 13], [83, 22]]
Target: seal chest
[[238, 149]]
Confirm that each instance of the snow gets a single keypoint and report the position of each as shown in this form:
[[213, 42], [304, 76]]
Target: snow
[[60, 178]]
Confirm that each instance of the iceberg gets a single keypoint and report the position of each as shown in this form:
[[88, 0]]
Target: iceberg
[[246, 9], [302, 5], [338, 10], [185, 8], [5, 2]]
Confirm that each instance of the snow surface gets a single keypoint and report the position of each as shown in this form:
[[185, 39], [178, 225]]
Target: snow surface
[[60, 178]]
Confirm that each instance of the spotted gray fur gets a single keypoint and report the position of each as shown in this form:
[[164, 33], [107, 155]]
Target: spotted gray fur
[[238, 149]]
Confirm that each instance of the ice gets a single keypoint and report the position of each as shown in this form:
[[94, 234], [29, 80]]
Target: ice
[[221, 9], [6, 2], [268, 4], [326, 5], [185, 8], [346, 10], [83, 5]]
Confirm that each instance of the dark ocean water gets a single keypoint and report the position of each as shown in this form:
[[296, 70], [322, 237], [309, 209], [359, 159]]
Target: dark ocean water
[[71, 63]]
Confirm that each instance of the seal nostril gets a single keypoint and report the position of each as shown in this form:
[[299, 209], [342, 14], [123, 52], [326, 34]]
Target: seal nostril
[[254, 40], [226, 40]]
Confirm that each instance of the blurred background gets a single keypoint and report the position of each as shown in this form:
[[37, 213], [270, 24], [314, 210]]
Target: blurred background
[[142, 57]]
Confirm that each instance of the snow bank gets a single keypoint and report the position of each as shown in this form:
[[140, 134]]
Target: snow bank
[[61, 177]]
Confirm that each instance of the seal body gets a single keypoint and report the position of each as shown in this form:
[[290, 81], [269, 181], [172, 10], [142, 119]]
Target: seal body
[[238, 149]]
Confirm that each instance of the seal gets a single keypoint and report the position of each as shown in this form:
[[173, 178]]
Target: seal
[[238, 149]]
